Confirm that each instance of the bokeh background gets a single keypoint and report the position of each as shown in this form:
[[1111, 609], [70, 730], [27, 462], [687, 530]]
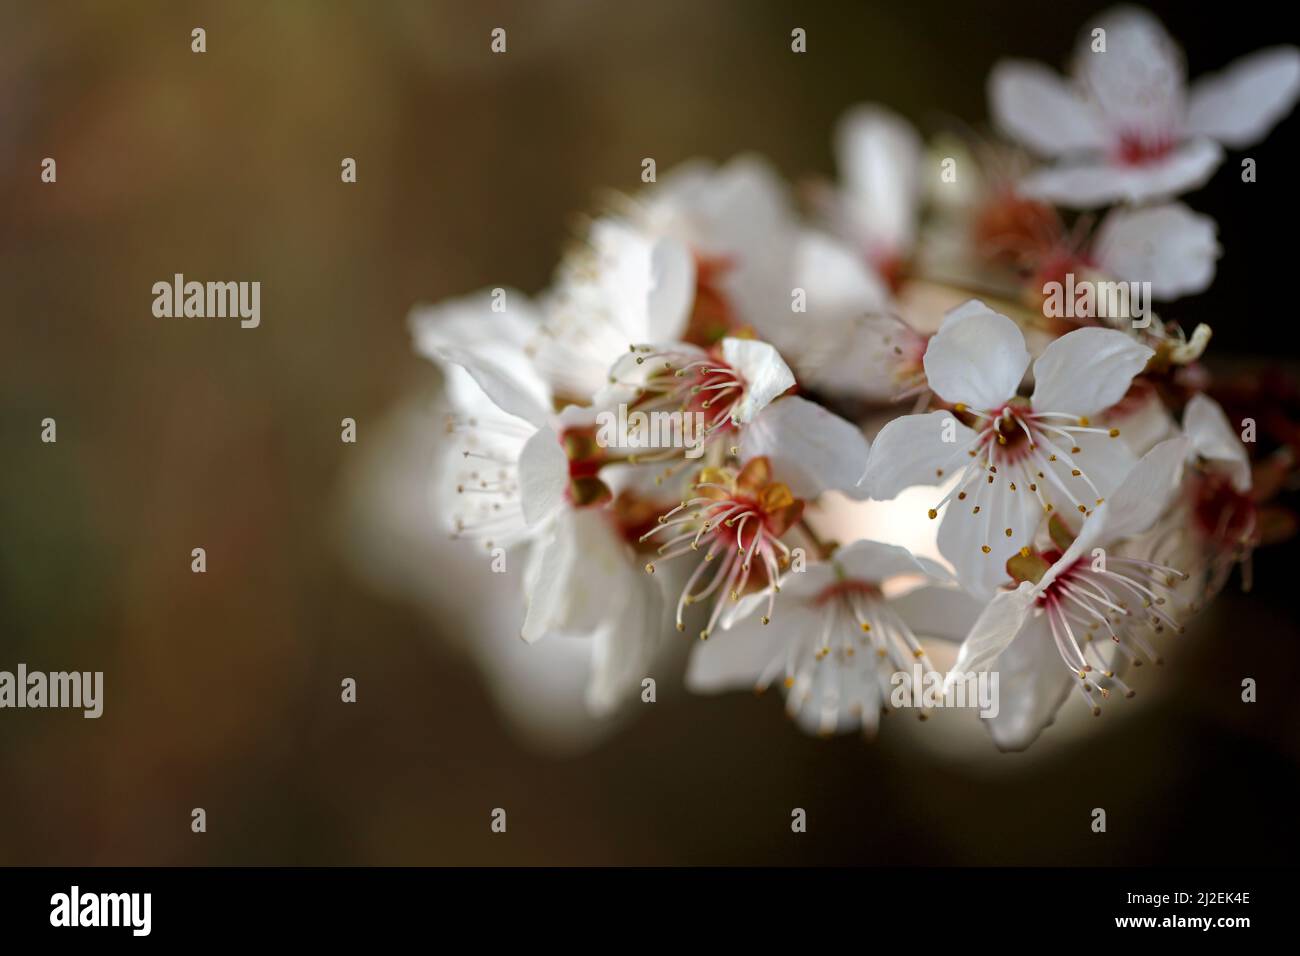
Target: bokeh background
[[223, 688]]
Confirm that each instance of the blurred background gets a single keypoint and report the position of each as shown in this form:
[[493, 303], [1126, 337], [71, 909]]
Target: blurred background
[[222, 689]]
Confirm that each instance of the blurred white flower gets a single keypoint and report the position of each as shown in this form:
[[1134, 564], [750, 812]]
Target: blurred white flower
[[877, 206], [401, 549], [1128, 128]]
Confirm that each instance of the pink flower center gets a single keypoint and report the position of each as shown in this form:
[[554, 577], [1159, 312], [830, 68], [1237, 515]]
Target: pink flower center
[[1142, 149]]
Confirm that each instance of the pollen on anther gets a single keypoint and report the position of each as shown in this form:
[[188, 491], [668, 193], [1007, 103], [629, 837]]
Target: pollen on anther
[[1024, 552], [961, 496], [933, 513], [985, 548], [1114, 433], [650, 568], [976, 510], [1075, 472], [865, 627], [1008, 532]]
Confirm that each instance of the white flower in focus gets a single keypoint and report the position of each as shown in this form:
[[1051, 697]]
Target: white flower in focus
[[1081, 608], [736, 517], [837, 641], [1008, 459], [1128, 128], [728, 385]]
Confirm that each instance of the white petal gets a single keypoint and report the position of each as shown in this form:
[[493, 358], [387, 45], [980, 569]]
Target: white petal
[[995, 629], [1103, 460], [623, 652], [835, 279], [1142, 419], [510, 381], [963, 535], [491, 346], [1135, 505], [1239, 105], [944, 613], [820, 343], [1169, 246], [577, 581], [978, 360], [1214, 439], [1138, 82], [740, 212], [546, 576], [469, 322], [812, 450], [671, 292], [874, 562], [837, 698], [543, 476], [1036, 106], [1087, 370], [1032, 685], [735, 659], [765, 373], [853, 355], [623, 286], [1092, 183], [878, 154], [641, 286], [964, 311], [910, 450]]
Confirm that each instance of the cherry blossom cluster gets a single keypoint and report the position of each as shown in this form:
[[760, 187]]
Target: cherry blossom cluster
[[873, 339]]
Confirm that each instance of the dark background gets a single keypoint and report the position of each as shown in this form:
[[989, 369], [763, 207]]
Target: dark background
[[222, 689]]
